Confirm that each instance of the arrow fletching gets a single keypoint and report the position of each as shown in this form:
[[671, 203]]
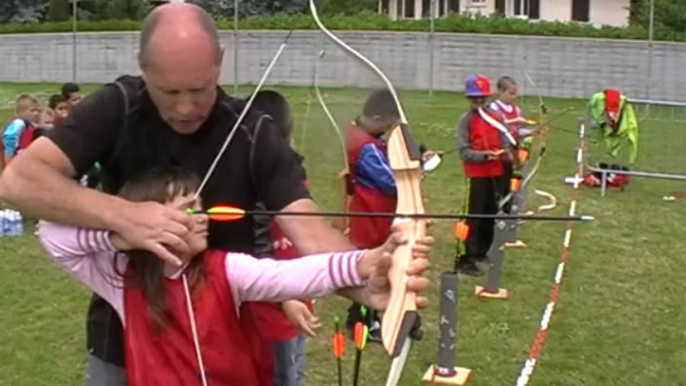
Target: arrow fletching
[[361, 334], [338, 340], [222, 213]]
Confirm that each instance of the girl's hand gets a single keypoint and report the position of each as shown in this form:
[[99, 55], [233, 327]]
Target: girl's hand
[[376, 263], [301, 317]]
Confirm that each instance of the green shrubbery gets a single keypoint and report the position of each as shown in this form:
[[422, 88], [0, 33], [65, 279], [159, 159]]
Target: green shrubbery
[[374, 22]]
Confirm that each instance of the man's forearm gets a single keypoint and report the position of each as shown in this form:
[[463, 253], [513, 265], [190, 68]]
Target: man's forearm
[[312, 235], [40, 191]]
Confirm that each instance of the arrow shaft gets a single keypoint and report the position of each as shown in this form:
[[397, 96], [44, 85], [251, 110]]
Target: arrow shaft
[[420, 215]]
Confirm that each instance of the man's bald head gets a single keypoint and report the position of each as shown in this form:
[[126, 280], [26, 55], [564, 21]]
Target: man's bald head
[[177, 22]]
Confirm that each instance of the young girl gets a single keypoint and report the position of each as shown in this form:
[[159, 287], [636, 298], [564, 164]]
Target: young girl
[[181, 325]]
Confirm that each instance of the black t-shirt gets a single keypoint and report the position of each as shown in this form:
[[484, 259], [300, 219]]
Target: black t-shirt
[[127, 136]]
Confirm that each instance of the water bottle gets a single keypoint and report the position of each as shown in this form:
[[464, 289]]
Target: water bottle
[[20, 224], [11, 227], [5, 223], [2, 223]]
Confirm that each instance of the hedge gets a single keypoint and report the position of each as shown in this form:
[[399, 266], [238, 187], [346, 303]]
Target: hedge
[[375, 22]]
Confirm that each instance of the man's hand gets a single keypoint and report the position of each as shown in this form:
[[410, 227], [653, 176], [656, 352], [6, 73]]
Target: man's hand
[[376, 263], [155, 227], [301, 317]]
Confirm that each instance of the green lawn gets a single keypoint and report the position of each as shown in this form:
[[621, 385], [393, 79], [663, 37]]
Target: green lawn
[[619, 320]]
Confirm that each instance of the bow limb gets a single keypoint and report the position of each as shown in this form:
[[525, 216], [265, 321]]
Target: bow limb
[[542, 142], [242, 116], [359, 56], [340, 223], [327, 112], [400, 317]]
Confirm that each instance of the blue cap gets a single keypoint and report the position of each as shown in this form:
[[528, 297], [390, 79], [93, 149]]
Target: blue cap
[[477, 86]]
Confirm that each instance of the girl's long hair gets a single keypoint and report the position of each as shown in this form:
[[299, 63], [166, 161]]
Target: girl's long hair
[[146, 269]]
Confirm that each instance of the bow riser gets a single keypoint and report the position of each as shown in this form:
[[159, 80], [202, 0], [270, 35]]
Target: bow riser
[[405, 161]]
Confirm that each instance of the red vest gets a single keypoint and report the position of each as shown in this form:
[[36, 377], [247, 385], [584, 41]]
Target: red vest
[[483, 136], [515, 113], [26, 138], [270, 319], [367, 232], [168, 357]]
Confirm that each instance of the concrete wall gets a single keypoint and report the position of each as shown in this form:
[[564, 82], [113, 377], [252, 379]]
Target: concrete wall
[[559, 66]]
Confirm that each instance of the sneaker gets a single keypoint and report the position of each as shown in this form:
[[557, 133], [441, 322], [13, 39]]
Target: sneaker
[[375, 332], [470, 269]]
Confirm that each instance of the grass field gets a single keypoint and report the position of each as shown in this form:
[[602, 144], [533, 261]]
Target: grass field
[[619, 320]]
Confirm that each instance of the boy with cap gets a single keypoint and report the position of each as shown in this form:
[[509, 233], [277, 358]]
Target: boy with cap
[[485, 149]]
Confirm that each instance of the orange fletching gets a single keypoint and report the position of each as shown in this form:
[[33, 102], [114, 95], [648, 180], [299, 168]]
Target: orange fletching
[[515, 184], [225, 213], [461, 230], [338, 345]]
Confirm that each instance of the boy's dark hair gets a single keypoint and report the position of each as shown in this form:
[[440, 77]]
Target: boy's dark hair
[[276, 106], [56, 99], [381, 103], [69, 88], [505, 82]]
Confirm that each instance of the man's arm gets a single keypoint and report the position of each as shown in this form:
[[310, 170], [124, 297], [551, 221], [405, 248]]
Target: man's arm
[[314, 234], [40, 182]]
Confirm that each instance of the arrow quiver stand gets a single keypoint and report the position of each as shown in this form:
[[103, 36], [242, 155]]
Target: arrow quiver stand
[[519, 200], [444, 371], [496, 257]]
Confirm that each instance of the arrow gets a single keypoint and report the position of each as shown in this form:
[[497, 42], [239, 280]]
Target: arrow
[[231, 213], [338, 347], [360, 335]]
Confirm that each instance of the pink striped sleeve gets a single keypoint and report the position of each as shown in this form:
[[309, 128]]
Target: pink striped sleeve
[[304, 278], [88, 255]]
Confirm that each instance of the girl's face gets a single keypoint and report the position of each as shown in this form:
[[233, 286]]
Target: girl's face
[[509, 95], [197, 238]]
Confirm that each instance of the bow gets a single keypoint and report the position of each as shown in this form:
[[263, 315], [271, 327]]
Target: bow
[[544, 129], [400, 318], [340, 223]]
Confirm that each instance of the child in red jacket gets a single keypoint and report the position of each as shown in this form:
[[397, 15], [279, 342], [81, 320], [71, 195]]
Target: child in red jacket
[[284, 325], [485, 149]]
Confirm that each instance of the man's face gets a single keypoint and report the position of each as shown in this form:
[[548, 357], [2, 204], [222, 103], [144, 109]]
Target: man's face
[[184, 94]]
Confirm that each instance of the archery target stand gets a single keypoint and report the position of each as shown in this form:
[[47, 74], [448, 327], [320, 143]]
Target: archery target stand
[[496, 255], [444, 372], [519, 200]]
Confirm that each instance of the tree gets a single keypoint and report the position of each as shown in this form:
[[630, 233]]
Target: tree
[[670, 15], [58, 10], [22, 11]]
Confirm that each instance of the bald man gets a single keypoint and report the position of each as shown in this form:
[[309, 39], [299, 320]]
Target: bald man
[[174, 114]]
